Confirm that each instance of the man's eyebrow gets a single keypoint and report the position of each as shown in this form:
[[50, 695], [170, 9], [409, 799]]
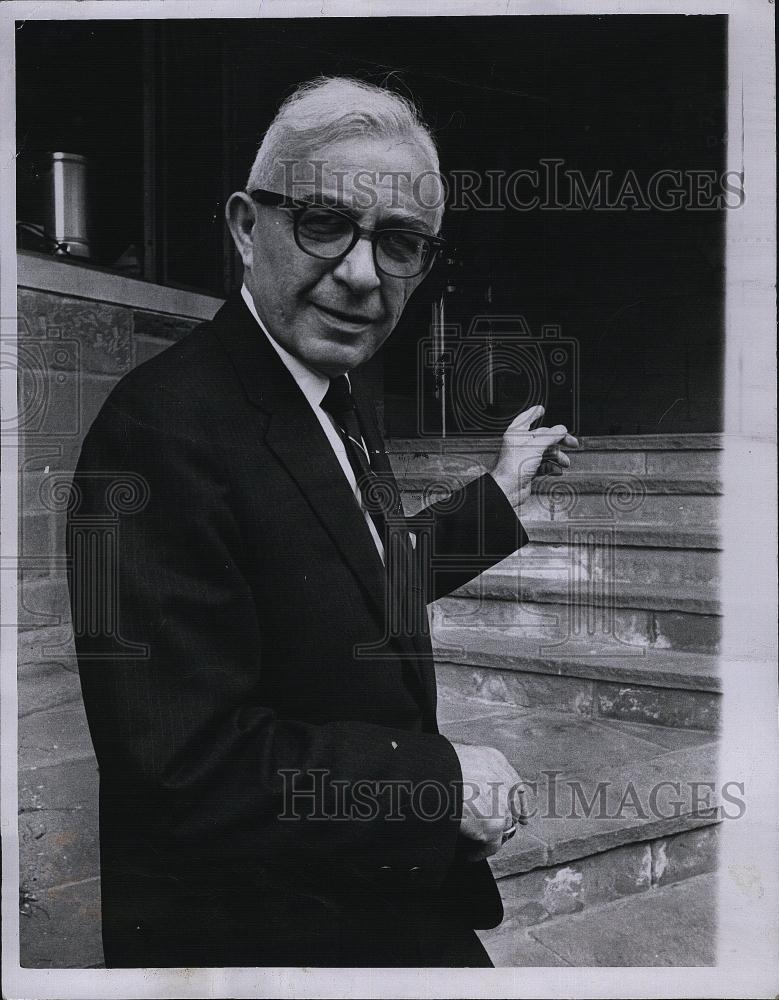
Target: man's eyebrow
[[395, 220], [407, 221]]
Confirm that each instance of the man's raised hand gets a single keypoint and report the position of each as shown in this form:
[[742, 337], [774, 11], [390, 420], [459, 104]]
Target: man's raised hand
[[525, 452]]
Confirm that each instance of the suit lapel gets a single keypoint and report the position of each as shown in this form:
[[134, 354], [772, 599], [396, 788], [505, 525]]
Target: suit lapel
[[296, 438]]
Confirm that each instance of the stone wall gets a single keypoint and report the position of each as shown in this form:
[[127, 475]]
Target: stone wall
[[71, 351]]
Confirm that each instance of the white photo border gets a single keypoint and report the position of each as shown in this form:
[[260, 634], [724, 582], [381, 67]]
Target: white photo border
[[749, 858]]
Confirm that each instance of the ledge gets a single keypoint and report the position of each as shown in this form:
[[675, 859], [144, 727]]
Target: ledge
[[465, 445], [48, 274]]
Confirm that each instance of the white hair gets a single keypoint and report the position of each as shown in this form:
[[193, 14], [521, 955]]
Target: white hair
[[328, 109]]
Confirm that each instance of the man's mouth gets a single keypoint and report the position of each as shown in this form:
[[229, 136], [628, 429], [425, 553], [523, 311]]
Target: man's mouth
[[344, 318]]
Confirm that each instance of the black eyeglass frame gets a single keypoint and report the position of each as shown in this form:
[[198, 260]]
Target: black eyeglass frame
[[297, 206]]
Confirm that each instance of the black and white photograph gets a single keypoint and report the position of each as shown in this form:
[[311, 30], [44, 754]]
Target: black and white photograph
[[389, 500]]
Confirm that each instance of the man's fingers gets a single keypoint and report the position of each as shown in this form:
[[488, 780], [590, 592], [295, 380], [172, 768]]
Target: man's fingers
[[555, 455], [526, 418], [517, 804]]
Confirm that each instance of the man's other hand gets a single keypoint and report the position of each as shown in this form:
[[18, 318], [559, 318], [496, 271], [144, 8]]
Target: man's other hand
[[492, 799], [525, 452]]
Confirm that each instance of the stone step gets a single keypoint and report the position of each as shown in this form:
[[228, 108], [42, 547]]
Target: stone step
[[642, 453], [688, 500], [481, 665], [670, 925], [593, 785], [59, 927], [613, 556], [552, 606], [510, 581], [596, 621], [501, 649], [619, 812], [587, 532], [653, 508]]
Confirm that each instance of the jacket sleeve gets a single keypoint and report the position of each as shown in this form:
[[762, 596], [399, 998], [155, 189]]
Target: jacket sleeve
[[463, 535], [170, 652]]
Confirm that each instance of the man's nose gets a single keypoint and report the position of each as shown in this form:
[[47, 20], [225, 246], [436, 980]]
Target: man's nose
[[358, 268]]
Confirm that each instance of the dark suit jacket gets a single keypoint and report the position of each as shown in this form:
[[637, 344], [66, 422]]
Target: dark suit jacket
[[221, 578]]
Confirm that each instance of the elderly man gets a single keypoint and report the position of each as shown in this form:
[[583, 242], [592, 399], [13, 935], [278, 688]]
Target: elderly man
[[273, 786]]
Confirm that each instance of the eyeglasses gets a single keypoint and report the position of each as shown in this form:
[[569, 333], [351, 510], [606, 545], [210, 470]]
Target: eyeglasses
[[330, 234]]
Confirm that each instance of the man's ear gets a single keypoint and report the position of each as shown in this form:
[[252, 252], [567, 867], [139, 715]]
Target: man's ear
[[240, 215]]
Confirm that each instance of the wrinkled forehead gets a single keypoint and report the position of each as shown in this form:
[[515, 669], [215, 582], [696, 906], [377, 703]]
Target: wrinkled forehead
[[377, 178]]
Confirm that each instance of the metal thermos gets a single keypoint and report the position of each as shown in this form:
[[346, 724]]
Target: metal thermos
[[66, 220]]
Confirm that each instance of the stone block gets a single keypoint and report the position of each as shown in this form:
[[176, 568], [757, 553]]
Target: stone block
[[523, 853], [690, 633], [662, 736], [60, 927], [37, 646], [510, 946], [615, 564], [658, 706], [51, 437], [58, 824], [535, 896], [162, 326], [509, 688], [49, 398], [608, 461], [616, 533], [676, 509], [54, 736], [45, 685], [538, 741], [670, 926], [451, 709], [670, 462], [685, 855], [513, 580], [597, 808], [76, 334], [599, 618], [43, 602], [611, 804], [41, 542], [493, 650]]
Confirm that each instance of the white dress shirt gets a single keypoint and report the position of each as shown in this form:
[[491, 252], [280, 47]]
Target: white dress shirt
[[314, 385]]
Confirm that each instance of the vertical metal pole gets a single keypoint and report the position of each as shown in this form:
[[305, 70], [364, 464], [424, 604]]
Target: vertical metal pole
[[227, 120], [439, 348], [443, 366], [150, 151], [490, 354]]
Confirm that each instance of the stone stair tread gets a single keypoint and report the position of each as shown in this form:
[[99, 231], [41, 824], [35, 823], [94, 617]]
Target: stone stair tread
[[670, 925], [596, 481], [572, 761], [635, 534], [619, 442], [499, 647], [505, 582]]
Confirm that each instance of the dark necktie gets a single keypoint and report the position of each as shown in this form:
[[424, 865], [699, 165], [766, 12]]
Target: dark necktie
[[339, 403], [405, 615]]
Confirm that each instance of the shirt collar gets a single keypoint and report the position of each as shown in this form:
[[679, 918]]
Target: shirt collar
[[312, 384]]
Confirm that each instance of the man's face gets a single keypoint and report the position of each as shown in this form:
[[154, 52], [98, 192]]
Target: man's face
[[335, 314]]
